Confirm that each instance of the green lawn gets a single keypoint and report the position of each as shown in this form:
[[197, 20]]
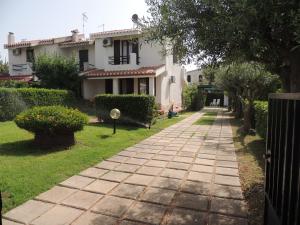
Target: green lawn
[[207, 119], [26, 171]]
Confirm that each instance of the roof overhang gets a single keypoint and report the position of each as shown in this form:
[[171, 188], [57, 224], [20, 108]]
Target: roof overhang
[[115, 33]]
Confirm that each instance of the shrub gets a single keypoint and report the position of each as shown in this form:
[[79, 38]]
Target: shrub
[[52, 124], [15, 100], [13, 84], [192, 97], [261, 115], [138, 109]]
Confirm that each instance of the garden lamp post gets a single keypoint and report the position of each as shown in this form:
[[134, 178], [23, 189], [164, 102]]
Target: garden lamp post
[[115, 114]]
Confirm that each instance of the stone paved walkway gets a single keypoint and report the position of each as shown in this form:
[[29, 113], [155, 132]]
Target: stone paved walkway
[[186, 174]]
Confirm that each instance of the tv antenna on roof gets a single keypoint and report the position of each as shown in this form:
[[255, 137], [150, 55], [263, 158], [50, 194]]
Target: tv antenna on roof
[[84, 19]]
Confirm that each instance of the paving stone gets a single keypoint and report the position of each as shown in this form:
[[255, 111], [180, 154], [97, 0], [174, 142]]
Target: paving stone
[[227, 171], [77, 182], [206, 156], [229, 207], [139, 179], [126, 222], [191, 201], [101, 186], [90, 218], [197, 176], [163, 157], [144, 155], [226, 157], [130, 168], [56, 194], [202, 188], [28, 211], [202, 168], [183, 159], [111, 205], [136, 161], [209, 151], [128, 191], [186, 154], [207, 162], [82, 199], [186, 217], [178, 165], [165, 152], [108, 165], [158, 195], [146, 212], [173, 173], [8, 222], [58, 215], [149, 170], [168, 183], [156, 163], [93, 172], [115, 176], [127, 153], [118, 158], [225, 191], [227, 180], [216, 219], [227, 164]]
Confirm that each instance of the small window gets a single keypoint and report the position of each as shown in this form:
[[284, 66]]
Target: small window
[[30, 55], [188, 78], [200, 78], [143, 85]]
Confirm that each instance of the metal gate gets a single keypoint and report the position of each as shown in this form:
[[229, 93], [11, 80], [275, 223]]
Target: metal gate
[[282, 185]]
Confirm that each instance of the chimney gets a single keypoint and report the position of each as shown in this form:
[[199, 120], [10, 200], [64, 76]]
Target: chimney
[[75, 37], [10, 38]]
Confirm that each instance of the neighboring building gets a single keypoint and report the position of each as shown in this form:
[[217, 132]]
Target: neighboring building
[[194, 77], [118, 62]]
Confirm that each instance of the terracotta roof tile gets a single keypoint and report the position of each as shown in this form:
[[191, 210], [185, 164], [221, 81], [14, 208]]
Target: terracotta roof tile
[[25, 78], [148, 71], [76, 43], [113, 32], [18, 44]]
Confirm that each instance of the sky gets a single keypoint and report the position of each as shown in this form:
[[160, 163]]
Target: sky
[[40, 19]]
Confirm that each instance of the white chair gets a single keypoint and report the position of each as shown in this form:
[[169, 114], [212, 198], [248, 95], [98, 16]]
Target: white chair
[[218, 102], [213, 103]]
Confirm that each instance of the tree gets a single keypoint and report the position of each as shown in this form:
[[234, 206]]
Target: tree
[[209, 73], [246, 82], [58, 72], [247, 30], [3, 66]]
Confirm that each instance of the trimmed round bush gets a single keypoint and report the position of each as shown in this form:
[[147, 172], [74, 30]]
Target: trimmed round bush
[[52, 125]]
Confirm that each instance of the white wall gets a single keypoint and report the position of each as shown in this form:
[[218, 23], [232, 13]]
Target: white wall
[[150, 54], [92, 88], [194, 76]]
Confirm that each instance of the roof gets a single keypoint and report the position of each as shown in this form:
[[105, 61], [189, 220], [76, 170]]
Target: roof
[[76, 43], [25, 78], [112, 33], [142, 71]]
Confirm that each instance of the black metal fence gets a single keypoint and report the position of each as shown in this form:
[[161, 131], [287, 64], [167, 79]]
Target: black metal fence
[[282, 185]]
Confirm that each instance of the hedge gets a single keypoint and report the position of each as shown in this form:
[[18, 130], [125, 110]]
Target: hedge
[[193, 98], [51, 120], [261, 114], [15, 100], [138, 109]]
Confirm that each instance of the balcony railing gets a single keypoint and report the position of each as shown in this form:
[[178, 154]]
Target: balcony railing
[[114, 60]]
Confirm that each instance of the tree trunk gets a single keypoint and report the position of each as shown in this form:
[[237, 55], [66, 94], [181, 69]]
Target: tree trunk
[[295, 71], [247, 117]]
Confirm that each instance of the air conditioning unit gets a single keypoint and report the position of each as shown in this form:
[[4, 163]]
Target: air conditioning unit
[[107, 42], [172, 79], [16, 51]]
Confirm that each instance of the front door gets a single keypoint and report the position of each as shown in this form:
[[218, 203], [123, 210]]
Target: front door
[[126, 86], [83, 57], [108, 86]]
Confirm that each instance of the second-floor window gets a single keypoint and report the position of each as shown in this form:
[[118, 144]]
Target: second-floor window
[[122, 50], [29, 55], [188, 78]]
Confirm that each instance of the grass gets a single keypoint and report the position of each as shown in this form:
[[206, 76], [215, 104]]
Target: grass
[[207, 119], [26, 171], [250, 149]]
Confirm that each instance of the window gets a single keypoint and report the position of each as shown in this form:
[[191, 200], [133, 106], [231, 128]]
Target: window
[[126, 86], [200, 78], [188, 78], [29, 55], [143, 85], [108, 86]]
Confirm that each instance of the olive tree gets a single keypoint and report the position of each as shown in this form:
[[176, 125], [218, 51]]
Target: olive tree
[[247, 82]]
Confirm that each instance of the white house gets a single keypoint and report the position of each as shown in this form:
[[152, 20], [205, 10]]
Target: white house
[[118, 62], [194, 76]]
